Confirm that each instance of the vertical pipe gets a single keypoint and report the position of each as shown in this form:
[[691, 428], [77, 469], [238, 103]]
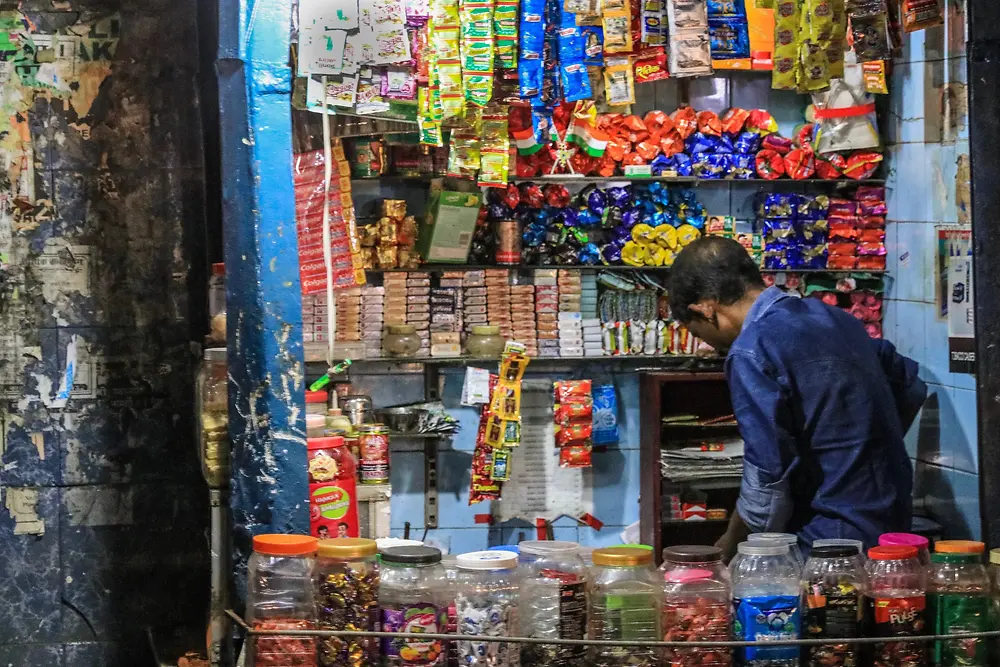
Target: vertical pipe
[[220, 646]]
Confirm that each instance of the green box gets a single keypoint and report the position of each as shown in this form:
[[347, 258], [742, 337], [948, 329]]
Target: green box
[[446, 234]]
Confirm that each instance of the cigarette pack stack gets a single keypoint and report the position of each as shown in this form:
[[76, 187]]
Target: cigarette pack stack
[[547, 312], [498, 301], [446, 321], [592, 342], [418, 308], [372, 324], [473, 299], [588, 294], [348, 315], [394, 299], [570, 318], [309, 319], [522, 313]]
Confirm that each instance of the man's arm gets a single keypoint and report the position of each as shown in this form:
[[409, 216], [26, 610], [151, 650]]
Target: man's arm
[[908, 389]]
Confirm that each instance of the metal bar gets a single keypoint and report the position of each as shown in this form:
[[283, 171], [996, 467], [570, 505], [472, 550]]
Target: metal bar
[[220, 647]]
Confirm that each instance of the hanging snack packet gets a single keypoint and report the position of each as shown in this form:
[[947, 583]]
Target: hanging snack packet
[[532, 32], [922, 14], [593, 45], [730, 38], [870, 29], [653, 31], [619, 81], [605, 416], [575, 456], [505, 30], [617, 31]]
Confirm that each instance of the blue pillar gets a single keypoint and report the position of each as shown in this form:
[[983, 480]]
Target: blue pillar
[[263, 300]]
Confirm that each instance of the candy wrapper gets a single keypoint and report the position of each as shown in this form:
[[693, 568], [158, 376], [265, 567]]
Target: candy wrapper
[[800, 163], [685, 121], [575, 456], [776, 143], [770, 165], [729, 38], [830, 166], [761, 122], [709, 123], [861, 165], [734, 120]]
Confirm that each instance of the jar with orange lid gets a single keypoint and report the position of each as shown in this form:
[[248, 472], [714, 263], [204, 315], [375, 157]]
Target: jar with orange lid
[[347, 583], [896, 605], [625, 601], [280, 597], [958, 602]]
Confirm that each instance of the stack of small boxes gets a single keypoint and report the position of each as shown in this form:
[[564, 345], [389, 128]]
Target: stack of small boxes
[[473, 299], [591, 323], [372, 324], [498, 301], [547, 312], [348, 315], [314, 318], [570, 316], [393, 299], [522, 313], [418, 308], [446, 315]]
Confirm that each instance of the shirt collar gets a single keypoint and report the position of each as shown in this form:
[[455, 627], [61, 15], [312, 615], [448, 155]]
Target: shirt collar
[[762, 304]]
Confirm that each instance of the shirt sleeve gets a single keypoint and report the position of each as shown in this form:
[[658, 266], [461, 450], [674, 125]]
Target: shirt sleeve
[[908, 389], [761, 408]]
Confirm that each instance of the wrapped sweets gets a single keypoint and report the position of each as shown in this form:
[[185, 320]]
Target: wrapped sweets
[[347, 599]]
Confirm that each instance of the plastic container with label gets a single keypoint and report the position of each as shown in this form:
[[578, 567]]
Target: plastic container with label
[[333, 496], [766, 603], [347, 583], [414, 596], [280, 597], [486, 594], [958, 600], [896, 605], [553, 602], [833, 586], [697, 604], [625, 600]]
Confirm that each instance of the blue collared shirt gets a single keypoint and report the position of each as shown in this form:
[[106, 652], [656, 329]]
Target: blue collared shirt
[[822, 409]]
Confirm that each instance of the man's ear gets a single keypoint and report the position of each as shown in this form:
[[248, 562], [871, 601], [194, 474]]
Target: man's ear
[[704, 308]]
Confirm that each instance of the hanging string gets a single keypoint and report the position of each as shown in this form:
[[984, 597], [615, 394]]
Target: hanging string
[[331, 303]]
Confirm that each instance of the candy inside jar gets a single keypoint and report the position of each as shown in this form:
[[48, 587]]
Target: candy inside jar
[[347, 576], [833, 584], [486, 594], [553, 602], [625, 603], [696, 605]]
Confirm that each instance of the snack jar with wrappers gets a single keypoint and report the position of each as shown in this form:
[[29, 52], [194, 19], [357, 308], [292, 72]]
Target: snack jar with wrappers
[[896, 606], [347, 582], [697, 599], [625, 601], [414, 596], [791, 541], [921, 543], [553, 602], [280, 597], [958, 597], [486, 592], [333, 496], [766, 603], [833, 585], [212, 399]]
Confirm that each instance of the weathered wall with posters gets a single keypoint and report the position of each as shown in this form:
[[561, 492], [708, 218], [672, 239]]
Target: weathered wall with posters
[[103, 510]]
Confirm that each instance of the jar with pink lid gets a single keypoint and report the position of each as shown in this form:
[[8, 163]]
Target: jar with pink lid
[[697, 599], [921, 543]]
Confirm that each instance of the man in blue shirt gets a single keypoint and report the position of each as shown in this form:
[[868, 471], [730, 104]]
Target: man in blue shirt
[[822, 408]]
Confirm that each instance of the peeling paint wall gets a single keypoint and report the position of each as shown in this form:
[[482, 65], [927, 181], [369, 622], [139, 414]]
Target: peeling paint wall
[[103, 514]]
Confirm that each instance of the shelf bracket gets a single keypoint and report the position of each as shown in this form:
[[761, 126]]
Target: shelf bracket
[[430, 483]]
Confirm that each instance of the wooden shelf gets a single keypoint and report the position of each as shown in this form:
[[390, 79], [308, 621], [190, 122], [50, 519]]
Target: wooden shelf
[[438, 268], [693, 180]]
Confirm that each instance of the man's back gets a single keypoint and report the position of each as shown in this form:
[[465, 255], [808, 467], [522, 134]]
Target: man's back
[[819, 417]]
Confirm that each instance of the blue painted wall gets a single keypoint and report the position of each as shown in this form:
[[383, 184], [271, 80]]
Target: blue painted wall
[[928, 140]]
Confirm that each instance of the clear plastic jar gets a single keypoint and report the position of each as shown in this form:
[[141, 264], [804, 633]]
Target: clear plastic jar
[[921, 543], [347, 582], [414, 595], [697, 604], [766, 603], [280, 597], [486, 593], [337, 423], [958, 601], [625, 601], [781, 538], [833, 586], [858, 545], [401, 340], [895, 605], [553, 602], [212, 398]]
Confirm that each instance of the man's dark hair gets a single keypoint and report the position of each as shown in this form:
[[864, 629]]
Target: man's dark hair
[[711, 268]]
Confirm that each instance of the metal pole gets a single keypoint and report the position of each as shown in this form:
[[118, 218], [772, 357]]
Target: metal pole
[[220, 639]]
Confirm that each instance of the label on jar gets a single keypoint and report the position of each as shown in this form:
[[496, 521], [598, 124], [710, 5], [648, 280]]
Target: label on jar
[[333, 509], [832, 610], [767, 618], [899, 616], [954, 613], [416, 618]]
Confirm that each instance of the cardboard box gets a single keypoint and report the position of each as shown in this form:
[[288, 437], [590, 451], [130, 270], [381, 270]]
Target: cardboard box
[[446, 234]]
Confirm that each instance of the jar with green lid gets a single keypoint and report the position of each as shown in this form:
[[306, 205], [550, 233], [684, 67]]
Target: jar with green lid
[[625, 601], [958, 601], [347, 582], [401, 340], [485, 342], [414, 596]]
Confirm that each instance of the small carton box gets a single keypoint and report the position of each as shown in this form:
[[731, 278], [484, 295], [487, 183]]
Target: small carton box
[[446, 233]]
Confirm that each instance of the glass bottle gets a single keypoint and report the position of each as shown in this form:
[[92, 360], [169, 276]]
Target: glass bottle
[[414, 595], [625, 602], [486, 593], [553, 602], [347, 583], [895, 605], [280, 597], [833, 585], [697, 604], [212, 399], [766, 603], [958, 601]]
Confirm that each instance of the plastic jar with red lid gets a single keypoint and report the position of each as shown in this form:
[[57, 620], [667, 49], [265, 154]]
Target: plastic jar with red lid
[[896, 605], [333, 498]]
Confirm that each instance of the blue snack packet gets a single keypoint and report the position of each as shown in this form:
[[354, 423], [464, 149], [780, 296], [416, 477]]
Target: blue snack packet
[[747, 143], [605, 419], [729, 37], [593, 45], [734, 8], [767, 617]]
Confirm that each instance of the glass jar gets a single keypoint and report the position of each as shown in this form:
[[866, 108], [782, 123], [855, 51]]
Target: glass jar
[[895, 605], [401, 340], [553, 603], [921, 543], [697, 604], [333, 495], [486, 604], [766, 603], [781, 538], [316, 403], [958, 601], [212, 399], [280, 597], [217, 303], [337, 423], [414, 595], [625, 600], [833, 586], [485, 342], [347, 582]]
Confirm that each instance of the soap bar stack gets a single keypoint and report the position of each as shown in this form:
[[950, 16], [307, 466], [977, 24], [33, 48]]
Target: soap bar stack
[[498, 301], [418, 308], [522, 313], [570, 316], [446, 316], [473, 300], [372, 323], [348, 315], [547, 312]]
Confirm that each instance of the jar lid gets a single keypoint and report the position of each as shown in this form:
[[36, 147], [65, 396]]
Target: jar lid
[[834, 551], [622, 556], [903, 539], [404, 329], [284, 545], [324, 443], [763, 548], [485, 330], [487, 560], [347, 547], [692, 553], [546, 547], [371, 428], [892, 552], [995, 556], [390, 542], [411, 555], [219, 269], [779, 538], [687, 575], [316, 397], [216, 354], [959, 547], [838, 542], [957, 558], [315, 421]]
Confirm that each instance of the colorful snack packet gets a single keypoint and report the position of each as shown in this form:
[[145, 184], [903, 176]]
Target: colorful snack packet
[[617, 31], [619, 81], [505, 30], [922, 14], [593, 45]]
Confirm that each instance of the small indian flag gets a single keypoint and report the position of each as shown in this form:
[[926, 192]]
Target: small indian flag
[[590, 140], [526, 142]]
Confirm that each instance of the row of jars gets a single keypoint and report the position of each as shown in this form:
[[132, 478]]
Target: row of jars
[[547, 592]]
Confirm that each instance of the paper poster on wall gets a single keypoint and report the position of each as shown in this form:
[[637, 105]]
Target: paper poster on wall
[[956, 300]]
